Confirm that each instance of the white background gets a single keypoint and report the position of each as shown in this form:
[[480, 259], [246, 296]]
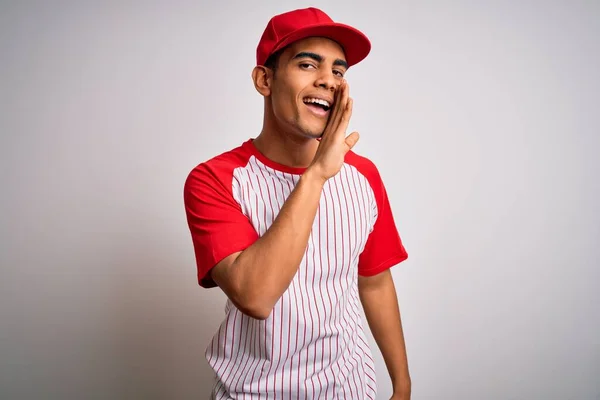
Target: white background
[[483, 118]]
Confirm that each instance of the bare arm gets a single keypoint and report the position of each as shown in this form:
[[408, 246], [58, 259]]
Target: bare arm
[[378, 297], [255, 278]]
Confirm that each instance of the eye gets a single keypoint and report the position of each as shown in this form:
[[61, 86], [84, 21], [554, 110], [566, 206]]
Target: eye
[[339, 73], [306, 66]]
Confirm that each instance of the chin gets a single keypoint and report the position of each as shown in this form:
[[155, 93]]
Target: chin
[[307, 127], [315, 135], [313, 132]]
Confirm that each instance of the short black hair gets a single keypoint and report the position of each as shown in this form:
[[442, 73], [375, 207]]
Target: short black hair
[[273, 61]]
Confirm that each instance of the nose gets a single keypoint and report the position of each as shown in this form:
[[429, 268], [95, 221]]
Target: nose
[[326, 80]]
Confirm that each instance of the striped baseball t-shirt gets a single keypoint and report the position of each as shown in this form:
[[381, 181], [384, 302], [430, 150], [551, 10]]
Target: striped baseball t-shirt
[[312, 346]]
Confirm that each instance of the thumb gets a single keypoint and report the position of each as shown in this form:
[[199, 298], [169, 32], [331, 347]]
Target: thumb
[[352, 139]]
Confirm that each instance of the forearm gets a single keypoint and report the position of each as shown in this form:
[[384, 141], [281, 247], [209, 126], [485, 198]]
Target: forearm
[[265, 269], [255, 278], [378, 296]]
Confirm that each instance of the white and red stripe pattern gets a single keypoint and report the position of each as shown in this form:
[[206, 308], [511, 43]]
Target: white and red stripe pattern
[[312, 346]]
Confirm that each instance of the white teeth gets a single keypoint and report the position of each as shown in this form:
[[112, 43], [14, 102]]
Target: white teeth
[[317, 101]]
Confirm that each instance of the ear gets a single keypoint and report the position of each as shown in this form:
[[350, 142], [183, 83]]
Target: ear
[[263, 79]]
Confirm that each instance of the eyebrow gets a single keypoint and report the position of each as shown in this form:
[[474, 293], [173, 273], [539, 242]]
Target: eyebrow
[[319, 58]]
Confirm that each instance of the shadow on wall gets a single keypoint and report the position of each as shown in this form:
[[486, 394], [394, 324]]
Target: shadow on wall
[[162, 323], [105, 308]]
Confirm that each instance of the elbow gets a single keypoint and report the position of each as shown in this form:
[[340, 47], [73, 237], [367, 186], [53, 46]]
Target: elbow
[[255, 306], [260, 313], [251, 299], [256, 311]]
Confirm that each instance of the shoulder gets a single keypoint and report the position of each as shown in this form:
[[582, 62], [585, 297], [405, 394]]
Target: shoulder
[[365, 166], [219, 169]]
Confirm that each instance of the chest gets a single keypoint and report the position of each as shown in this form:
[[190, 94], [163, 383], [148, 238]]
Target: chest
[[343, 220]]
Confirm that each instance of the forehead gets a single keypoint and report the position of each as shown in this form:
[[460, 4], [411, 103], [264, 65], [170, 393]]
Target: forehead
[[325, 47]]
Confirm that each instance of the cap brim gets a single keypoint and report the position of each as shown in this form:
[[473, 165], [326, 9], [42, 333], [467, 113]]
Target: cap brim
[[356, 45]]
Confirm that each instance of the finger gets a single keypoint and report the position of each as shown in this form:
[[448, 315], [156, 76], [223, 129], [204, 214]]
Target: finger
[[352, 139], [341, 101], [344, 119], [336, 112], [344, 102], [337, 109], [349, 107], [345, 94]]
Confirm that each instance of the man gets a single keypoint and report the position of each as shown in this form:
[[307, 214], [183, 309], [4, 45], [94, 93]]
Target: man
[[297, 231]]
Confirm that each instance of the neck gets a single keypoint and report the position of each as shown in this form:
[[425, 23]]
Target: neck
[[283, 147]]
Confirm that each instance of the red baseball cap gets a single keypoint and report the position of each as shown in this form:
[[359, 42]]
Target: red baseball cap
[[286, 28]]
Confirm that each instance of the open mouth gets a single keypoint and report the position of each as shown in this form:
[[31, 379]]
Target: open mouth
[[319, 106]]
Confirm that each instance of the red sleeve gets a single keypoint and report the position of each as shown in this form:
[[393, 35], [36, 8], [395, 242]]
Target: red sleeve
[[216, 221], [384, 248]]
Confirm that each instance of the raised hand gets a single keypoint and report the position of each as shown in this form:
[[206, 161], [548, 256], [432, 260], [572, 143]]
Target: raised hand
[[334, 143]]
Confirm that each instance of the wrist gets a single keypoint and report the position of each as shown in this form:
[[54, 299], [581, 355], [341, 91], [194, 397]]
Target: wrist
[[313, 178], [401, 385]]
